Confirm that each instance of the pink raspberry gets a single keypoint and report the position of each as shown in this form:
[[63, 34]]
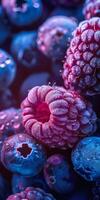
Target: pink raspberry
[[31, 193], [82, 64], [91, 9], [56, 117]]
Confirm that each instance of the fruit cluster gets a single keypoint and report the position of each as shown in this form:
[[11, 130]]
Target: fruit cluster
[[49, 100]]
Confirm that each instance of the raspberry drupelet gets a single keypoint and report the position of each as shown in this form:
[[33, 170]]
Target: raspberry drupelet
[[91, 9], [32, 193], [22, 154], [82, 64], [56, 117]]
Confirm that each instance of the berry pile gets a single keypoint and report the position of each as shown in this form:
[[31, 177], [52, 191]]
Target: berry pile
[[49, 100]]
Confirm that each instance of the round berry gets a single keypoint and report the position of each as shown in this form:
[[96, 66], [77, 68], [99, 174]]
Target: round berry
[[67, 3], [4, 27], [23, 12], [33, 80], [21, 154], [7, 69], [91, 9], [56, 117], [86, 158], [24, 48], [54, 36], [82, 64], [58, 174], [31, 193]]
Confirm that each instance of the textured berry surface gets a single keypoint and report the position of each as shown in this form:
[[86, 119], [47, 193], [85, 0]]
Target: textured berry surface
[[21, 154], [23, 12], [31, 194], [7, 69], [82, 64], [58, 174], [86, 158], [24, 48], [54, 36], [66, 3], [56, 117], [92, 8]]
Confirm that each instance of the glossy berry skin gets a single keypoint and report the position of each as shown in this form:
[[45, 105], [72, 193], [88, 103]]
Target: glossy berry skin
[[91, 9], [7, 69], [24, 49], [23, 13], [67, 3], [86, 158], [56, 117], [58, 174], [54, 36], [21, 154], [20, 183], [32, 81], [82, 64], [3, 188], [32, 193], [4, 27]]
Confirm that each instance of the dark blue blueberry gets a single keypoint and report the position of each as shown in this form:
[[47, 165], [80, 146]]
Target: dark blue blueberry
[[54, 36], [32, 81], [21, 154], [23, 12], [86, 158], [79, 195], [20, 183], [7, 69], [58, 174], [24, 48], [96, 191], [4, 27], [6, 99], [3, 188]]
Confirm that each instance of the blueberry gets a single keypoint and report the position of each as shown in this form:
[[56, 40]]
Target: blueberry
[[3, 188], [24, 48], [32, 81], [21, 154], [54, 36], [20, 183], [4, 27], [6, 99], [58, 174], [23, 12], [7, 69], [86, 158]]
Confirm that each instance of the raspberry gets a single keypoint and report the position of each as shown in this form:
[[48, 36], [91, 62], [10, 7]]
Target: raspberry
[[32, 193], [86, 158], [21, 154], [54, 35], [58, 174], [91, 9], [82, 64], [56, 117]]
